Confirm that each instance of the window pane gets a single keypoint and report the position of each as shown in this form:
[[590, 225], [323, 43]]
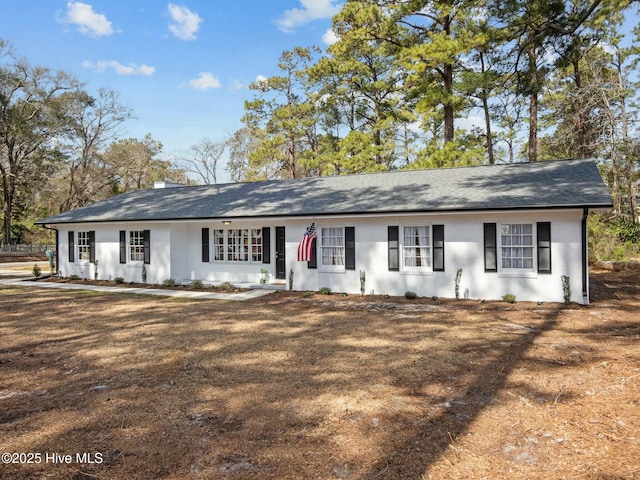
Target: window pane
[[256, 245], [516, 246], [136, 245], [218, 245], [83, 246], [332, 246], [416, 249]]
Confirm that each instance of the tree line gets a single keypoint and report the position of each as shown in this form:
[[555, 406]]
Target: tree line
[[407, 84], [62, 148], [543, 79]]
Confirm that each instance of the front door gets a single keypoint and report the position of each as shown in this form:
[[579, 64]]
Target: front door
[[281, 261]]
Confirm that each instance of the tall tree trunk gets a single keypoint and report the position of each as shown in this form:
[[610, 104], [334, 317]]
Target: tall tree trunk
[[533, 104], [8, 184], [448, 107]]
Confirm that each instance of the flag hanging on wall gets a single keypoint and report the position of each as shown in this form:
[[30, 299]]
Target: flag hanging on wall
[[306, 244]]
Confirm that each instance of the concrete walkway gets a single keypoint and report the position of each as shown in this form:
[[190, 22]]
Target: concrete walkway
[[141, 291]]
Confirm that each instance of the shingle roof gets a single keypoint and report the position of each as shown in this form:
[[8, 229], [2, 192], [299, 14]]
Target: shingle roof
[[556, 184]]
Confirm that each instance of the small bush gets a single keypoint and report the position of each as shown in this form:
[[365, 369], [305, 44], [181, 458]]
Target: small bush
[[168, 282], [509, 298], [196, 284], [410, 295], [74, 277], [227, 286], [325, 291], [118, 280], [36, 271]]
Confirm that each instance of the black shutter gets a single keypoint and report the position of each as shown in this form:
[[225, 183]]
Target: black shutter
[[92, 246], [349, 248], [490, 248], [313, 263], [544, 247], [147, 246], [205, 245], [393, 248], [72, 247], [123, 246], [266, 245], [438, 248]]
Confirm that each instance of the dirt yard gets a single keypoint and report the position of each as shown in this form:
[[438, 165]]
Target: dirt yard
[[294, 386]]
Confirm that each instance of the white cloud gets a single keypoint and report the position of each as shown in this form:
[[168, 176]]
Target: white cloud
[[120, 69], [261, 78], [204, 82], [311, 10], [237, 85], [184, 23], [329, 37], [87, 21]]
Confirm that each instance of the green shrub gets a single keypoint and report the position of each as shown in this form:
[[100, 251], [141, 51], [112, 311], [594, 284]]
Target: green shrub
[[196, 284], [36, 271], [168, 282], [74, 277], [410, 295], [509, 298], [325, 291], [227, 286], [615, 239], [118, 280]]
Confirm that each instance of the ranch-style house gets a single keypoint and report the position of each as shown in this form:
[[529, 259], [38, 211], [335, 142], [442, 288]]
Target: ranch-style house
[[504, 229]]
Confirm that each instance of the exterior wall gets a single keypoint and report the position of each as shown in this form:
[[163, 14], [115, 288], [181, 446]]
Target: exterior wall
[[225, 271], [107, 252], [176, 252], [464, 248]]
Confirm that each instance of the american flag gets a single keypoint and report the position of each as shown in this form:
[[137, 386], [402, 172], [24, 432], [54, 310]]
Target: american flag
[[305, 245]]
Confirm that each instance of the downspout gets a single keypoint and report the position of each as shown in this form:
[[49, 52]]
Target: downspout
[[585, 258]]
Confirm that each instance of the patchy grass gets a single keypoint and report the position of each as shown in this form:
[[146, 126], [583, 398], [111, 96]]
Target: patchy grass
[[315, 386]]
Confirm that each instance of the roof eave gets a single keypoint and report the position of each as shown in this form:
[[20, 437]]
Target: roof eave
[[592, 206]]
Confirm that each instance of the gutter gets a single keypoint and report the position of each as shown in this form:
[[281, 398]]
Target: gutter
[[585, 257], [306, 215]]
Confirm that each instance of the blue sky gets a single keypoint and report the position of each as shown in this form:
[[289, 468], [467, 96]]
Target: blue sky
[[183, 67]]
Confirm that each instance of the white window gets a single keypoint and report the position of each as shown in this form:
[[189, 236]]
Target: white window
[[332, 247], [256, 245], [237, 245], [416, 248], [516, 246], [84, 249], [218, 245], [136, 245]]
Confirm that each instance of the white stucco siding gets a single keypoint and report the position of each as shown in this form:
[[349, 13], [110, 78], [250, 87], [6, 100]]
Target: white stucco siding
[[107, 252], [176, 252], [464, 248], [224, 270]]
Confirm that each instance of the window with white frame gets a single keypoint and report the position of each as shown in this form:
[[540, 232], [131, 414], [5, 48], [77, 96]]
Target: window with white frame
[[237, 245], [136, 245], [332, 246], [218, 245], [416, 247], [84, 246], [516, 246], [256, 245]]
